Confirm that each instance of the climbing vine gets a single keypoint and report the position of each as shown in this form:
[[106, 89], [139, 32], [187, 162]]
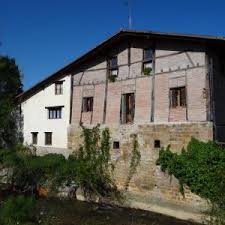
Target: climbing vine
[[202, 168], [135, 160]]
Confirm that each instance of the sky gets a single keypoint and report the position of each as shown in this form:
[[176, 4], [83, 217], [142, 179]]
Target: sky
[[45, 35]]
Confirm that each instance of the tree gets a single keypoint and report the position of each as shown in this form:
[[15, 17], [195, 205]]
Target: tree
[[10, 87]]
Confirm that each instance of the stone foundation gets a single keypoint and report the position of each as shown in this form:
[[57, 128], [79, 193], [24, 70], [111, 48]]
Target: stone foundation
[[150, 187]]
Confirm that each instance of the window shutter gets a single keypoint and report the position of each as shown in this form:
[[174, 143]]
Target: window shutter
[[132, 107], [123, 109], [174, 98], [183, 97]]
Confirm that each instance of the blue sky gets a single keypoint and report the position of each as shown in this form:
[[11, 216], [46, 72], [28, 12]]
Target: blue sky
[[44, 35]]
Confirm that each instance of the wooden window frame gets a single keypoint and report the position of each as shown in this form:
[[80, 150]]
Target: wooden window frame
[[59, 91], [126, 109], [54, 112], [48, 139], [146, 61], [86, 105], [178, 97], [113, 67], [34, 138]]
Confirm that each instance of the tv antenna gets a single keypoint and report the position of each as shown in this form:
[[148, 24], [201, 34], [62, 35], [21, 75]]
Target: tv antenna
[[129, 6]]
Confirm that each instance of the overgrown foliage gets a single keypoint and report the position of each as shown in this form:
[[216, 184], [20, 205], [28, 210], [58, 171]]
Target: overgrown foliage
[[22, 210], [135, 160], [10, 86], [18, 210], [202, 168], [88, 168]]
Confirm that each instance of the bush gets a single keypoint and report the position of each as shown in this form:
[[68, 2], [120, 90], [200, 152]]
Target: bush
[[18, 210], [201, 167], [88, 168]]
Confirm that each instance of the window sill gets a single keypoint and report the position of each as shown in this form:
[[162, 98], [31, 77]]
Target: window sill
[[179, 107]]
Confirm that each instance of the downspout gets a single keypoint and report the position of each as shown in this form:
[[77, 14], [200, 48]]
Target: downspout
[[106, 90], [71, 97], [153, 86], [212, 99]]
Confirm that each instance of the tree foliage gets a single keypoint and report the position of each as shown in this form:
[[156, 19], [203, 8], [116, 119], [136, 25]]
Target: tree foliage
[[10, 86], [202, 168]]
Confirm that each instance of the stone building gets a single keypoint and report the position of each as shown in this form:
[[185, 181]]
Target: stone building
[[164, 87]]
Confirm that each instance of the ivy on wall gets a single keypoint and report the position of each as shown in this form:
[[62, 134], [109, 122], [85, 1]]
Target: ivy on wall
[[135, 161], [201, 166]]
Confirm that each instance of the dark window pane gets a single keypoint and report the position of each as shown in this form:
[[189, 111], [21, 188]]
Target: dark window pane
[[55, 113], [157, 144], [127, 108], [34, 138], [48, 138], [87, 104], [58, 88], [183, 97], [116, 145], [113, 61], [178, 97], [147, 54]]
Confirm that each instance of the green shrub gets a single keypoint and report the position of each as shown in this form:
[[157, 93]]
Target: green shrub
[[89, 168], [202, 168], [18, 210]]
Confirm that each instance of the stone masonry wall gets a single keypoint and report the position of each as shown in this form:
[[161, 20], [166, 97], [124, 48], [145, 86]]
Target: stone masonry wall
[[149, 185], [176, 64]]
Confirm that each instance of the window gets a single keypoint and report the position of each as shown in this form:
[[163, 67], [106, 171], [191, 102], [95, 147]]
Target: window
[[178, 97], [157, 144], [113, 66], [34, 138], [116, 145], [127, 108], [55, 112], [147, 61], [59, 88], [87, 104], [48, 138]]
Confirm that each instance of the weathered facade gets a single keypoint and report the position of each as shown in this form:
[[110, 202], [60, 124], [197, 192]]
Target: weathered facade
[[175, 64], [166, 88]]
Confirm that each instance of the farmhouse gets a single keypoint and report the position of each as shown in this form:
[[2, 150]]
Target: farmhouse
[[164, 87]]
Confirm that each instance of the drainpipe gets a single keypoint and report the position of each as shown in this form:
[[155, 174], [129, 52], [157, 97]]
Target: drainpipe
[[71, 97], [212, 94], [153, 87]]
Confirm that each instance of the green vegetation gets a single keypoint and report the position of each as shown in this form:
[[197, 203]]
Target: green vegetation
[[147, 71], [201, 167], [112, 78], [89, 168], [10, 86], [18, 210], [135, 160]]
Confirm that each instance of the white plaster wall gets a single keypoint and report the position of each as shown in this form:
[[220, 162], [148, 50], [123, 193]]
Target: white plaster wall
[[36, 115]]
